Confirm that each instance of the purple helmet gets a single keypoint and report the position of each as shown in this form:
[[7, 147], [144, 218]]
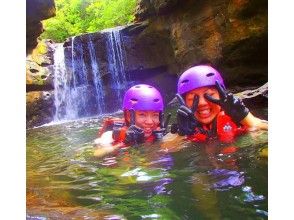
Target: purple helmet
[[198, 76], [143, 97]]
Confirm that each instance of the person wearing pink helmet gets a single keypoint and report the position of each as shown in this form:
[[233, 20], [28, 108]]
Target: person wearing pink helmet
[[207, 110], [143, 121]]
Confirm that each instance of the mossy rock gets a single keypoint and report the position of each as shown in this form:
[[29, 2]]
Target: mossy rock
[[39, 66], [39, 107], [43, 53], [37, 75]]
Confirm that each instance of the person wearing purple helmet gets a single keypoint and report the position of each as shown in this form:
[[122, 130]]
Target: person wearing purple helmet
[[208, 110], [143, 111], [143, 120]]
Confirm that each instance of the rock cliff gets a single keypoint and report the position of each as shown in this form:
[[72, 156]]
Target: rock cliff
[[36, 11], [167, 37]]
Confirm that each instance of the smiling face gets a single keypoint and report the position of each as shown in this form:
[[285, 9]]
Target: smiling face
[[147, 120], [206, 111]]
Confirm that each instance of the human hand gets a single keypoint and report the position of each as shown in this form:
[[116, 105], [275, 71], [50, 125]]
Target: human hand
[[232, 105], [134, 134], [103, 151], [186, 121], [163, 126]]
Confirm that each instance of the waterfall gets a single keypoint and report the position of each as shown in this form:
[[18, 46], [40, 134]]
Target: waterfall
[[70, 84], [60, 82], [79, 90], [99, 92], [64, 94], [115, 56], [78, 94]]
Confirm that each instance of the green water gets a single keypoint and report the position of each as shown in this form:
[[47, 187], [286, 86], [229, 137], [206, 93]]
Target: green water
[[64, 180]]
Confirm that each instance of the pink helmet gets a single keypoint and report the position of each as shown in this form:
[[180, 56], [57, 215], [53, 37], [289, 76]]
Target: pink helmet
[[198, 76], [143, 97]]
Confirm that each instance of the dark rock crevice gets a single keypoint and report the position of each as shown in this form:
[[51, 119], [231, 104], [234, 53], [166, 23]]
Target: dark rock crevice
[[36, 11], [30, 88], [228, 33]]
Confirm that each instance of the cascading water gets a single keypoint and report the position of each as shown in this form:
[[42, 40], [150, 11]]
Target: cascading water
[[79, 82], [61, 86], [115, 56], [70, 94], [71, 84], [79, 88], [99, 92]]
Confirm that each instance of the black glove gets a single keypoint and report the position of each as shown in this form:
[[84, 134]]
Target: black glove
[[134, 134], [186, 121], [232, 105], [174, 128], [163, 126]]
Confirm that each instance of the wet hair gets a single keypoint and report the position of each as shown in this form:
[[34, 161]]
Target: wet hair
[[128, 123]]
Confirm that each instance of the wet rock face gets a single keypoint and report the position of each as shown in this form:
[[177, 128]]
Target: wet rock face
[[144, 10], [147, 51], [168, 37], [40, 85], [254, 98], [39, 108], [231, 34], [39, 73], [36, 11], [148, 8]]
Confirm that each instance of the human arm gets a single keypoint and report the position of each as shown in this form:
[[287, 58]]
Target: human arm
[[254, 123], [104, 145]]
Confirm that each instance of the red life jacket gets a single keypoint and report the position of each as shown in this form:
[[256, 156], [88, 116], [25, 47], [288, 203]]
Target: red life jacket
[[226, 130], [109, 124]]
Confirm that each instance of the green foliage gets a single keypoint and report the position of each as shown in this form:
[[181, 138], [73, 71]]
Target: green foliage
[[74, 17]]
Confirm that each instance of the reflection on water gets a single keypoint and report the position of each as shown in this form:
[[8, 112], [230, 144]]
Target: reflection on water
[[197, 181]]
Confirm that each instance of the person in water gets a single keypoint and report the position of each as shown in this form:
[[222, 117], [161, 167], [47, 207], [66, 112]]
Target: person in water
[[207, 110], [143, 121]]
